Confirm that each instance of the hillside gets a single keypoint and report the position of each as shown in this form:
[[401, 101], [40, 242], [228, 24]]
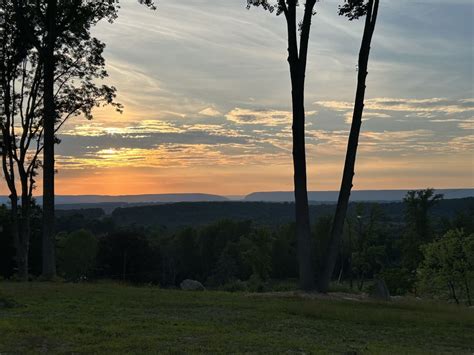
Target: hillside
[[357, 195], [264, 213]]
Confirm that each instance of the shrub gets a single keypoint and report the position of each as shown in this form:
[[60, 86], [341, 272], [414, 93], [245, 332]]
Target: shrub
[[400, 281], [77, 253], [234, 286], [448, 266]]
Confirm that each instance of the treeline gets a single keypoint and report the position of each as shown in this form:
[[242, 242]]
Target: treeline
[[262, 213], [412, 257]]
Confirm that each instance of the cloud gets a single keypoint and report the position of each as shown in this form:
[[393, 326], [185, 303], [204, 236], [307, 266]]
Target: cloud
[[262, 117], [210, 112], [433, 105], [259, 117], [467, 125]]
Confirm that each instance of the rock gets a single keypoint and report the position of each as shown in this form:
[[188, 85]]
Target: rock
[[191, 285], [380, 291]]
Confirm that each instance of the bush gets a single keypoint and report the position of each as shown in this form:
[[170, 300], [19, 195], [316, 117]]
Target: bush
[[77, 253], [256, 284], [400, 281], [234, 286], [448, 266]]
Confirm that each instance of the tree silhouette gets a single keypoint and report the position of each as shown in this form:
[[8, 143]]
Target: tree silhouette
[[418, 229], [51, 26], [21, 122], [297, 59], [353, 9]]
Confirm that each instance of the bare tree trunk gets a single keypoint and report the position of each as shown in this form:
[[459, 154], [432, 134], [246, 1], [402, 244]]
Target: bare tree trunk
[[25, 228], [349, 165], [49, 261], [297, 62], [16, 234], [341, 271], [468, 291], [303, 228], [453, 291]]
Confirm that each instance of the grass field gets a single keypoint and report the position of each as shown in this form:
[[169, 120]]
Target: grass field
[[113, 318]]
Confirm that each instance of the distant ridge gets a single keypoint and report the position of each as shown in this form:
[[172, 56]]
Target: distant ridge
[[360, 195], [131, 199], [111, 202]]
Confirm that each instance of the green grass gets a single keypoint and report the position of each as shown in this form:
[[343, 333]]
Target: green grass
[[113, 318]]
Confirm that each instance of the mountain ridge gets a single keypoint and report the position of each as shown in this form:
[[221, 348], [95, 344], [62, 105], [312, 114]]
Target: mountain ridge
[[259, 196]]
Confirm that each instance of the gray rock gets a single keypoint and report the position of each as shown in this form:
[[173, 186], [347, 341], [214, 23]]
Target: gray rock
[[380, 291], [191, 285]]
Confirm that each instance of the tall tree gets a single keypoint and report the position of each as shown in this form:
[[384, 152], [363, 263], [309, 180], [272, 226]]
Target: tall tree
[[353, 9], [297, 59], [419, 230], [22, 96], [12, 52], [50, 26]]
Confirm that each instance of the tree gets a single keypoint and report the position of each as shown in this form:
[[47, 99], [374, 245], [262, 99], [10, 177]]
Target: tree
[[353, 9], [79, 65], [13, 52], [368, 249], [448, 264], [128, 255], [77, 253], [256, 250], [49, 27], [297, 59], [418, 225]]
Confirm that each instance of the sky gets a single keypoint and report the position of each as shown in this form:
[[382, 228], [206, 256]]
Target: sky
[[206, 90]]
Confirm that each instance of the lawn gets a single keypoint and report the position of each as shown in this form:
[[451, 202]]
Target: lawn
[[114, 318]]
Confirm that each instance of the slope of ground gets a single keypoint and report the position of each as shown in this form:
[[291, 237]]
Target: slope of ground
[[113, 318]]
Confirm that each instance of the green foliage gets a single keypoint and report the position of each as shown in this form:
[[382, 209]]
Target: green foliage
[[321, 237], [128, 255], [229, 265], [367, 243], [234, 286], [284, 263], [419, 229], [77, 253], [399, 280], [256, 284], [448, 266], [256, 252]]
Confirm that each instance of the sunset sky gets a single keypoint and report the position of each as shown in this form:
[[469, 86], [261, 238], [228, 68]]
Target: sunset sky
[[206, 91]]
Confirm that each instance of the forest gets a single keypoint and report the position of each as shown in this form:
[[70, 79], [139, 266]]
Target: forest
[[251, 246]]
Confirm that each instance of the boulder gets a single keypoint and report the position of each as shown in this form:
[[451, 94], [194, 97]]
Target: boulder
[[191, 285], [380, 290]]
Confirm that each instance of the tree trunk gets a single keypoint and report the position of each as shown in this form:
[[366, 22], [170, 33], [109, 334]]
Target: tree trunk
[[303, 228], [16, 236], [49, 262], [453, 291], [349, 165], [468, 291], [297, 64], [24, 232]]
